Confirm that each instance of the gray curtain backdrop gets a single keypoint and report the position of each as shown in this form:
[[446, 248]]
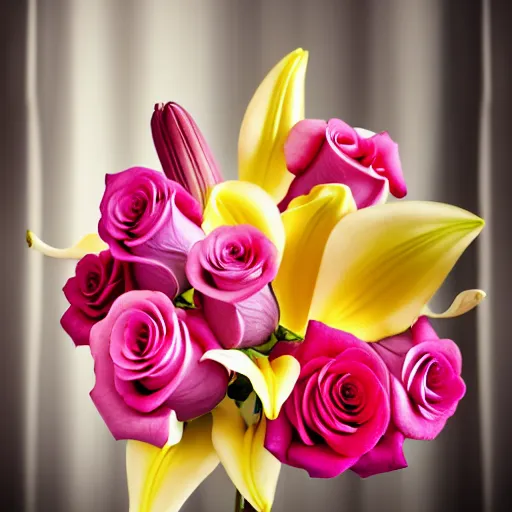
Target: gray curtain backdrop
[[80, 78]]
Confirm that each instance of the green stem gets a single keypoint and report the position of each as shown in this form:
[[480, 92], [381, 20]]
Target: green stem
[[242, 505]]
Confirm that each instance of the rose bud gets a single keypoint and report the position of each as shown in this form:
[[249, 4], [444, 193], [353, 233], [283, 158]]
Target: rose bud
[[339, 408], [230, 271], [151, 222], [183, 151], [426, 382], [319, 152], [98, 281], [147, 364]]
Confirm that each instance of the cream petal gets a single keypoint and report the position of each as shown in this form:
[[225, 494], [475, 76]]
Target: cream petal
[[89, 244], [464, 302]]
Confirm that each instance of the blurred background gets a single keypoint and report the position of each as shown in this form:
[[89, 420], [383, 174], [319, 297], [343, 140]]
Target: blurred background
[[79, 82]]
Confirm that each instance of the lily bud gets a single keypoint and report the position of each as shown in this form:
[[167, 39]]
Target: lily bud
[[183, 151]]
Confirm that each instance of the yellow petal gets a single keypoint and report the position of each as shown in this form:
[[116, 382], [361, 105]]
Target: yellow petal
[[464, 302], [238, 202], [273, 381], [308, 223], [91, 243], [253, 469], [161, 480], [276, 106], [383, 264]]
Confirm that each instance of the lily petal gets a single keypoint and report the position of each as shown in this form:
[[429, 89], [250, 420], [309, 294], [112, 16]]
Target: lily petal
[[308, 223], [276, 106], [251, 467], [464, 302], [89, 244], [161, 480], [273, 381], [238, 202], [383, 264]]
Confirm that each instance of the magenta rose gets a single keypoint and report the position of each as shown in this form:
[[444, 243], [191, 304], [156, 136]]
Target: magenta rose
[[426, 382], [231, 270], [339, 408], [147, 364], [151, 222], [98, 281], [320, 152]]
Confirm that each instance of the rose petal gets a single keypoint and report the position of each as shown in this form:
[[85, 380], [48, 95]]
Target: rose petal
[[303, 143], [388, 455]]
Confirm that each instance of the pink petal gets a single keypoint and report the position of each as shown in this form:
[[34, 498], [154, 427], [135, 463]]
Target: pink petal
[[331, 165], [122, 421], [318, 460], [388, 455], [77, 325], [278, 437], [422, 330], [244, 324], [303, 143], [388, 163], [410, 421]]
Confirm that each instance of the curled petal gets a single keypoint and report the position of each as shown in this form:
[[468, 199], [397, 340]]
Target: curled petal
[[276, 106], [388, 455], [303, 143], [89, 244], [251, 467], [273, 381], [464, 302], [383, 264], [161, 479], [237, 202], [308, 223]]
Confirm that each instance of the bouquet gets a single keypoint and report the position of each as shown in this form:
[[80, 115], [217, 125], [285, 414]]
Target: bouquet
[[281, 318]]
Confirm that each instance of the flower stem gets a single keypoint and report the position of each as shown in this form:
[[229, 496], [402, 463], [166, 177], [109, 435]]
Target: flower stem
[[242, 505]]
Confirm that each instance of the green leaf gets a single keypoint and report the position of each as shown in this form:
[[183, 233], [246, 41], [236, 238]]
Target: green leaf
[[284, 334], [185, 300]]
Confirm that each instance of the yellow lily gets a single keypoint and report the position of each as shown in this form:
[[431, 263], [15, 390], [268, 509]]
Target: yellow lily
[[161, 479], [308, 222], [91, 243], [376, 268], [276, 106], [273, 381], [240, 447]]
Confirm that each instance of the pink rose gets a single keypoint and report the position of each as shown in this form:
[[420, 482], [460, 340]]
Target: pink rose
[[147, 363], [320, 152], [426, 383], [231, 270], [151, 222], [339, 408], [98, 281]]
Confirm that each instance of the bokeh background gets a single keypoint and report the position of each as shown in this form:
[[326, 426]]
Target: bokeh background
[[79, 82]]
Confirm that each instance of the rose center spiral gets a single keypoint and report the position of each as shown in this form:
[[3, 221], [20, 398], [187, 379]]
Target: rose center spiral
[[92, 282], [434, 375]]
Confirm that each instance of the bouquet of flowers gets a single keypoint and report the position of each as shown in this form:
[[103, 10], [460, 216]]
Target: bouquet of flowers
[[281, 318]]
